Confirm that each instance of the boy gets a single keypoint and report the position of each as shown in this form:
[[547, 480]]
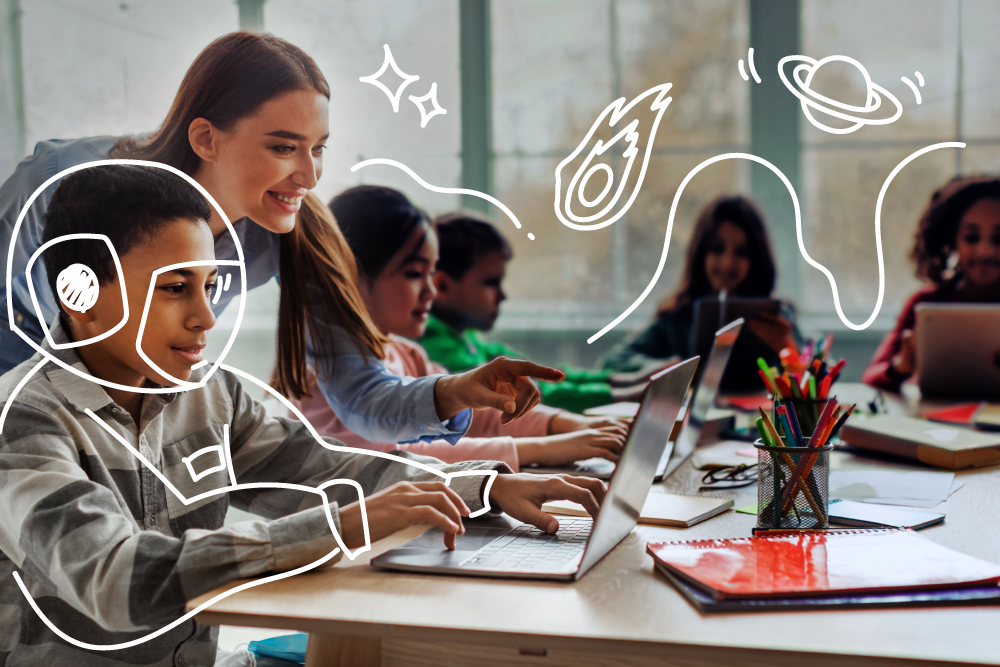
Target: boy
[[472, 262], [99, 483]]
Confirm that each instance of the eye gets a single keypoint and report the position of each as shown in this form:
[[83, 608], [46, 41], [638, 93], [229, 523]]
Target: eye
[[413, 274], [209, 287], [177, 288], [318, 150], [742, 251], [971, 239], [284, 149]]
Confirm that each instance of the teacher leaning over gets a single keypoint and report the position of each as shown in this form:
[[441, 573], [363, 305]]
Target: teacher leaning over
[[249, 123]]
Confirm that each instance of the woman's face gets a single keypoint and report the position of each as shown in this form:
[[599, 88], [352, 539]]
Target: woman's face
[[728, 260], [978, 243], [266, 163], [400, 298]]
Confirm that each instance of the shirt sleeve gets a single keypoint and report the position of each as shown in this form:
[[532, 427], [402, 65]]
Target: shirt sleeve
[[71, 535], [268, 449], [378, 405]]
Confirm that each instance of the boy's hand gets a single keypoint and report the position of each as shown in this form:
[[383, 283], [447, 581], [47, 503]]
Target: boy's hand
[[522, 496], [502, 384], [556, 450], [566, 422], [401, 505]]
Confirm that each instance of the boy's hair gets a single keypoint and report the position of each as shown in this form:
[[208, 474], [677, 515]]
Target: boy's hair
[[126, 203], [464, 240]]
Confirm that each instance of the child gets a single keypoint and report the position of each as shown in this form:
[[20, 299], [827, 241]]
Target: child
[[108, 549], [728, 250], [396, 249], [469, 278], [957, 250]]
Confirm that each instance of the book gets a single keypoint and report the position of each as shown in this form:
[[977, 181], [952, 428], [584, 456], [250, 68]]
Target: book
[[823, 563], [704, 602], [934, 444], [661, 509], [867, 515], [987, 417]]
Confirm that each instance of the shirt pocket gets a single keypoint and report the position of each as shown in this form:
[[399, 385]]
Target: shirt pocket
[[198, 467]]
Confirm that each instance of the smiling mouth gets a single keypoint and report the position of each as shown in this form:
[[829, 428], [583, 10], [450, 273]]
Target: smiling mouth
[[292, 201], [192, 354]]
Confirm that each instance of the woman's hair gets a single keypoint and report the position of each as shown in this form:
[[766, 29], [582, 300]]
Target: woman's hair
[[230, 80], [938, 228], [741, 212], [377, 222]]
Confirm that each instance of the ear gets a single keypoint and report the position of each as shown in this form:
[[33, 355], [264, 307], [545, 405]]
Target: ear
[[79, 318], [204, 139]]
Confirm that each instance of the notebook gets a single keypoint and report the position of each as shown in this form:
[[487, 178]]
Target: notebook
[[793, 565], [660, 509], [932, 443], [867, 515], [704, 602]]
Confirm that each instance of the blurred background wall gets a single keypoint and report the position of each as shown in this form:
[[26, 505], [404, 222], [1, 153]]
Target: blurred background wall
[[522, 81]]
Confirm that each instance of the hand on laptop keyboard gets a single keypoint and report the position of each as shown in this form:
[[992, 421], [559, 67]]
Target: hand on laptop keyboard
[[522, 496], [405, 504]]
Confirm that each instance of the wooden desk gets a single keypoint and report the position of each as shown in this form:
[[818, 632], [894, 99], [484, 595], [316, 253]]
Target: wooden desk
[[621, 613]]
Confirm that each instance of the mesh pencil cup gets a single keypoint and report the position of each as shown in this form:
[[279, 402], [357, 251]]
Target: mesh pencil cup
[[793, 486]]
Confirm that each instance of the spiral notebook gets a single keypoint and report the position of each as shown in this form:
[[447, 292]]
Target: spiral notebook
[[793, 565], [660, 509]]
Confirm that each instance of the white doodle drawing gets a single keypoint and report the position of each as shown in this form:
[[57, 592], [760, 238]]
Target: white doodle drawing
[[436, 108], [802, 77], [798, 233], [373, 79], [76, 286], [612, 114], [187, 386], [913, 87], [442, 190], [753, 70]]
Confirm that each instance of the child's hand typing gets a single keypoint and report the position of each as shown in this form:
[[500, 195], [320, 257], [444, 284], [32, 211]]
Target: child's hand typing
[[522, 496], [503, 384], [557, 450], [565, 422]]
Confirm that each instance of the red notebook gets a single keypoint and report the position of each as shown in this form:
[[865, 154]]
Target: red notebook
[[789, 565]]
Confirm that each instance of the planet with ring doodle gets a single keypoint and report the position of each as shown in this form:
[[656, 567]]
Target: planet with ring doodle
[[872, 113]]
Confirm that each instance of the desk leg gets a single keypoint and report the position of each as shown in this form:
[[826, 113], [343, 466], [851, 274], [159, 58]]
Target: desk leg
[[340, 651]]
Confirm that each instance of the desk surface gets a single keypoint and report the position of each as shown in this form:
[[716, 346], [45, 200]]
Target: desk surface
[[622, 604]]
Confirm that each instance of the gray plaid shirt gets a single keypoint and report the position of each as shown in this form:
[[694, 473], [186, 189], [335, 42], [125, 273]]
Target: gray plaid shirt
[[110, 554]]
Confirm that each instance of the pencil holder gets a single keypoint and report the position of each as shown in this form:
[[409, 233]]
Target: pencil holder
[[807, 411], [793, 486]]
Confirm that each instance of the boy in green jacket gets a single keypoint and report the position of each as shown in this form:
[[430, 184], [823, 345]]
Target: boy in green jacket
[[472, 262]]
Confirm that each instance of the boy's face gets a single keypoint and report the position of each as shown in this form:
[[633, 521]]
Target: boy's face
[[477, 296], [178, 317]]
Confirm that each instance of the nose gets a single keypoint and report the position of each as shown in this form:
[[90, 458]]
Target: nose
[[429, 292], [501, 296], [201, 317], [307, 171]]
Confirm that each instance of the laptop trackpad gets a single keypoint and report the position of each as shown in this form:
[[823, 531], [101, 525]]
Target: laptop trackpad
[[478, 533]]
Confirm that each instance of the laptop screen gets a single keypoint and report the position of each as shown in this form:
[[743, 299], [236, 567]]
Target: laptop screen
[[634, 475]]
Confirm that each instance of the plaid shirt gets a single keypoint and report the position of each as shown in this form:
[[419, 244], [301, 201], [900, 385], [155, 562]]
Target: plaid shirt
[[110, 554]]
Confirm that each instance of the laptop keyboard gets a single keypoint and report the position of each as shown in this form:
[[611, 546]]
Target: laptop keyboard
[[528, 549]]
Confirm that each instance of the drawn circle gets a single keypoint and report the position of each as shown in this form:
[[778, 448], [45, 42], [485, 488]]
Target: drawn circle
[[77, 287], [600, 166]]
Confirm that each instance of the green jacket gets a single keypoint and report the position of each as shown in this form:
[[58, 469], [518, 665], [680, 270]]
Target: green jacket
[[460, 350]]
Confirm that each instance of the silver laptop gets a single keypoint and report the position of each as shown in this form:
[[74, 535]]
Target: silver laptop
[[696, 413], [958, 350], [503, 547]]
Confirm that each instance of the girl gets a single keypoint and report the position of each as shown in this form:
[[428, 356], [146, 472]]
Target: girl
[[729, 250], [957, 250], [397, 249], [249, 123]]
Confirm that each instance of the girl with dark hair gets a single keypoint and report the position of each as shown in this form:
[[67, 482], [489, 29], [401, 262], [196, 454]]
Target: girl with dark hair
[[396, 248], [728, 251], [249, 123], [956, 250]]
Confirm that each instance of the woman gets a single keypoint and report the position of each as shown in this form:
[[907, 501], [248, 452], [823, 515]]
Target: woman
[[249, 123], [957, 250], [396, 248], [728, 251]]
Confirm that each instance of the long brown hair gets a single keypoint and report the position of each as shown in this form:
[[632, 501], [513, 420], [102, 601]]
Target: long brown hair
[[741, 212], [938, 229], [230, 80]]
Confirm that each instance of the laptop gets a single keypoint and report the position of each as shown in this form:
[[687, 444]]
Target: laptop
[[958, 350], [505, 548], [696, 413]]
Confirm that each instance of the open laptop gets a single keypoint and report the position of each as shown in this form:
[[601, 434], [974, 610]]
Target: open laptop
[[696, 414], [958, 351], [503, 547]]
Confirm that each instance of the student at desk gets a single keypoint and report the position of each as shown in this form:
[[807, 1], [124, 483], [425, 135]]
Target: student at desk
[[729, 250], [957, 250]]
